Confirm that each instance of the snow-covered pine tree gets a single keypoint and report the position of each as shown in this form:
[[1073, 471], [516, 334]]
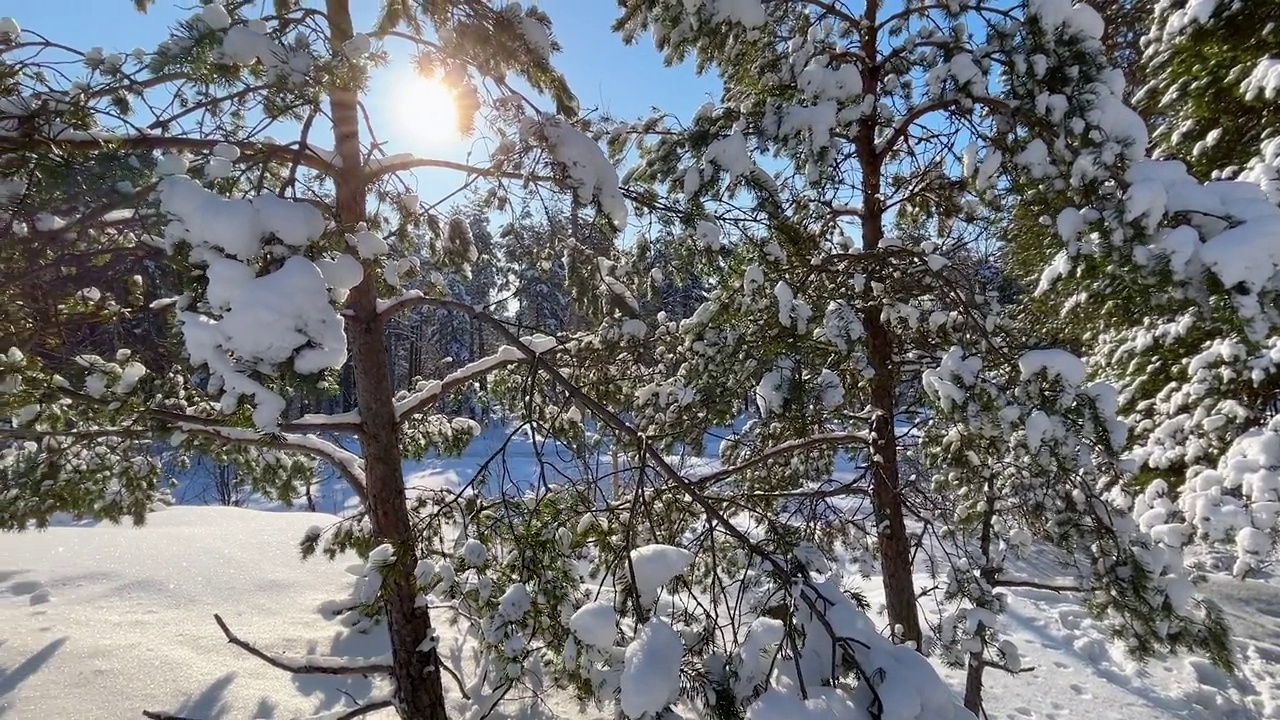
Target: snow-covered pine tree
[[536, 284], [868, 110], [837, 121], [1171, 289], [1213, 72], [674, 278], [281, 275]]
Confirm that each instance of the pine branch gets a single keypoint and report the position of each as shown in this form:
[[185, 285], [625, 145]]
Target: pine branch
[[310, 664], [250, 149], [348, 464], [1004, 668], [842, 438]]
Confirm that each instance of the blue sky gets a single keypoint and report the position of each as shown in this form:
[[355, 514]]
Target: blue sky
[[603, 72]]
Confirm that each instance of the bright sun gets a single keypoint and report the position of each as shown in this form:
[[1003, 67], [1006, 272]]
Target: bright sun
[[425, 109]]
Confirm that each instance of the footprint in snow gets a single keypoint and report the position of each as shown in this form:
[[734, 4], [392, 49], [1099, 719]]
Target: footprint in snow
[[22, 587], [36, 592], [1079, 689], [1022, 711]]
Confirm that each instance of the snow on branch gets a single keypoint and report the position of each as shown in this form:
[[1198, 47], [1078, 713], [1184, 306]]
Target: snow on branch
[[345, 462], [400, 303], [402, 162], [506, 355], [428, 393], [310, 664], [336, 422]]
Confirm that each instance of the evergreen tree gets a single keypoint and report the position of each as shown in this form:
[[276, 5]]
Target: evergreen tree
[[282, 255], [831, 302], [536, 273], [1210, 96], [1168, 294]]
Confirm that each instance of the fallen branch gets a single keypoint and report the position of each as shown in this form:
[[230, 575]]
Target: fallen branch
[[362, 710], [311, 664], [1013, 582], [153, 715]]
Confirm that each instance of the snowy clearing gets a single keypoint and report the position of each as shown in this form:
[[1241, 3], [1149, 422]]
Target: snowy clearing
[[107, 621]]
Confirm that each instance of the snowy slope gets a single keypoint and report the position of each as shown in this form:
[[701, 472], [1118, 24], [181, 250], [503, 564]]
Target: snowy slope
[[105, 621]]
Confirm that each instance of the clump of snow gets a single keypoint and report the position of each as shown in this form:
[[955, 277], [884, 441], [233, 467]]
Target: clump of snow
[[656, 565], [1055, 363], [255, 322], [226, 151], [277, 317], [235, 227], [9, 28], [590, 174], [708, 234], [771, 391], [748, 13], [595, 623], [215, 16], [651, 669], [367, 243], [534, 32], [474, 553], [171, 164]]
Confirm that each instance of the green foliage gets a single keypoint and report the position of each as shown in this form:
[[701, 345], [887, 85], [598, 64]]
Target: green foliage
[[1204, 116]]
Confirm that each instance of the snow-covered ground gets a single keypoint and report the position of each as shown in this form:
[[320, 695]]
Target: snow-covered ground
[[105, 622]]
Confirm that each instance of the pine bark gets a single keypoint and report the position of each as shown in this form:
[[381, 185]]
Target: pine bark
[[419, 689], [895, 545]]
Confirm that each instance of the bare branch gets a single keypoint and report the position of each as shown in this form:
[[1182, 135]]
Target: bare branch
[[309, 664], [462, 689], [366, 709], [1011, 582], [842, 438]]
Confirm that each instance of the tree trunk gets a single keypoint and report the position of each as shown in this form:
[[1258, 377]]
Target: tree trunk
[[895, 546], [419, 691], [973, 684], [891, 527], [977, 664]]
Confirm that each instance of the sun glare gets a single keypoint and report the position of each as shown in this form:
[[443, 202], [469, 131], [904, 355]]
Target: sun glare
[[425, 109]]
